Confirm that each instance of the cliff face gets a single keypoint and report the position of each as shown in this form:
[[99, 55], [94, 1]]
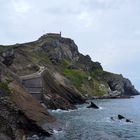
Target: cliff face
[[121, 85]]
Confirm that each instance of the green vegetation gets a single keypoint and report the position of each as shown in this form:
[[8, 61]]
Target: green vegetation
[[40, 57], [5, 88], [97, 90], [77, 77], [80, 80], [2, 48], [96, 73], [65, 63]]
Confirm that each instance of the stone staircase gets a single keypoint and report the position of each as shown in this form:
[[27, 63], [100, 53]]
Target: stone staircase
[[33, 83]]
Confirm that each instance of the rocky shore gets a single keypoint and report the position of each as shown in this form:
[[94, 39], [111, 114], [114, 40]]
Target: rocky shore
[[57, 76]]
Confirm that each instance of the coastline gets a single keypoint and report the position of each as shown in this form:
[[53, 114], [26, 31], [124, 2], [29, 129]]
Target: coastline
[[110, 97]]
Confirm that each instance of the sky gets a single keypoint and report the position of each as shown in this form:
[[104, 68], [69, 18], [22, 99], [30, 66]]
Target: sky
[[107, 30]]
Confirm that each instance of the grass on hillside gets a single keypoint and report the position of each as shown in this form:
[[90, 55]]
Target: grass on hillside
[[80, 80]]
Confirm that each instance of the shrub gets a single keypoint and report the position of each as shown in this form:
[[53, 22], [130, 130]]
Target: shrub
[[4, 87]]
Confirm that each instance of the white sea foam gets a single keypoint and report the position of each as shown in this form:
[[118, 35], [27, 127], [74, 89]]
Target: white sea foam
[[108, 120], [60, 110], [82, 108], [34, 137], [57, 132], [101, 108]]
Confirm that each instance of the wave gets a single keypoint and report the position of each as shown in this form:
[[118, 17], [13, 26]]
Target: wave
[[101, 108], [57, 131], [60, 110], [34, 137], [70, 110]]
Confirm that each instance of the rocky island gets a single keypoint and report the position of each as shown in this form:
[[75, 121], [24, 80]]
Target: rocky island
[[49, 73]]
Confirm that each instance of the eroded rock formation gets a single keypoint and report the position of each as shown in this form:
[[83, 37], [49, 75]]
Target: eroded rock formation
[[20, 114]]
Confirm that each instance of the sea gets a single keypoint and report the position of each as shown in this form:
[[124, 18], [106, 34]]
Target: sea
[[96, 124]]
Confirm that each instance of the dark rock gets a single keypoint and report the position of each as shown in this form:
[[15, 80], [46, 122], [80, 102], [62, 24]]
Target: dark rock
[[8, 57], [120, 117], [127, 120], [92, 105], [112, 118], [85, 63], [4, 137]]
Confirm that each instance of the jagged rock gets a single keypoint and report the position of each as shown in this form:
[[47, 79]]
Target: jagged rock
[[15, 124], [59, 49], [121, 86], [57, 95], [85, 63], [127, 120], [7, 57], [57, 102], [92, 105], [122, 118]]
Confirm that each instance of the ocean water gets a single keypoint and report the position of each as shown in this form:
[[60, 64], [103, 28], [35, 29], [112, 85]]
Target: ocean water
[[90, 124]]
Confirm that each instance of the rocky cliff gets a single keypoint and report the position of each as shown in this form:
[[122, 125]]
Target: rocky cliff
[[54, 69], [20, 114], [70, 75]]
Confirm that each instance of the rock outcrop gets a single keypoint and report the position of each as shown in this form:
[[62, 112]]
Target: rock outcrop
[[92, 105], [7, 57], [20, 114], [121, 118], [57, 94], [120, 86]]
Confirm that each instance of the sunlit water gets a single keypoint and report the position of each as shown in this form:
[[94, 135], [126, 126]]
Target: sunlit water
[[91, 124]]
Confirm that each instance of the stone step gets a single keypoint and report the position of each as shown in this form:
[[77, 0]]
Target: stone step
[[37, 96], [35, 92], [37, 82]]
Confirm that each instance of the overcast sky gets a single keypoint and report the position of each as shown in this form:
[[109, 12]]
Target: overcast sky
[[107, 30]]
